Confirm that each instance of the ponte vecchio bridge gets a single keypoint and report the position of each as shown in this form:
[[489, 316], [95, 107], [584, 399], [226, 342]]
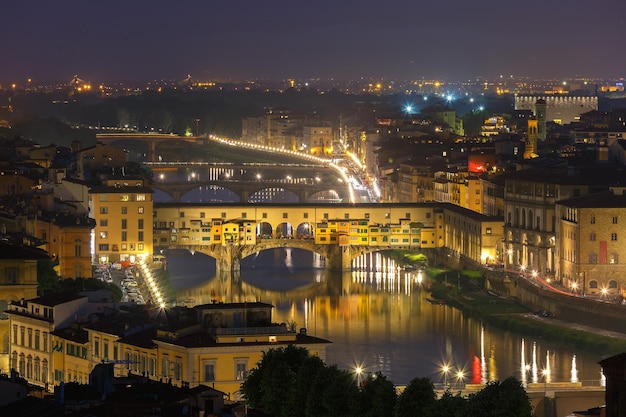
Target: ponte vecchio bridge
[[338, 232]]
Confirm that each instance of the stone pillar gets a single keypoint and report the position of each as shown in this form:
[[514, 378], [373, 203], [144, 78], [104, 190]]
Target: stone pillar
[[228, 258], [339, 258], [152, 151], [303, 196]]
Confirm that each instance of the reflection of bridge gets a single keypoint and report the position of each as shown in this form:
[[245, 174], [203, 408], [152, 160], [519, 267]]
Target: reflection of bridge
[[303, 180]]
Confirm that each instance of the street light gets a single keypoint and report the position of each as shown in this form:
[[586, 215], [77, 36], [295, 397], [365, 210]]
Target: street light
[[444, 370], [460, 377], [358, 371]]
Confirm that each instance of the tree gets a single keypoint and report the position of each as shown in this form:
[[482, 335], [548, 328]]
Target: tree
[[377, 397], [500, 399], [47, 278], [340, 393], [417, 399], [274, 380], [449, 405]]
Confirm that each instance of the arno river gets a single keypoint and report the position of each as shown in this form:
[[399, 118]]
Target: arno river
[[379, 318]]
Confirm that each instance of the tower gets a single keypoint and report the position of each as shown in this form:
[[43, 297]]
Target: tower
[[530, 150], [540, 114]]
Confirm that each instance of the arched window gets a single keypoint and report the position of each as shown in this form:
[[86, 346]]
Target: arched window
[[21, 367], [14, 361], [593, 284], [37, 369], [44, 371], [29, 367], [612, 284]]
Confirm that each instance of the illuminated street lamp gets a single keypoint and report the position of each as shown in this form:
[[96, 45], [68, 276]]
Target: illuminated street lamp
[[604, 292], [444, 370], [574, 287], [358, 371], [546, 374], [460, 377]]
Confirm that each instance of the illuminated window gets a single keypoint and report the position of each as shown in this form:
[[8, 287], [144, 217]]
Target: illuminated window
[[241, 369], [104, 235], [124, 197], [140, 210], [141, 197]]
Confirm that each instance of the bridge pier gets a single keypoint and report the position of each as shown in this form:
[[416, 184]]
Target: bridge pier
[[339, 258], [228, 258]]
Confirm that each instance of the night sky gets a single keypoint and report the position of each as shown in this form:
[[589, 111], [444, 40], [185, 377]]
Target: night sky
[[112, 40]]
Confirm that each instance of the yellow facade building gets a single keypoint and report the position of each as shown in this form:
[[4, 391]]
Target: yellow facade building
[[122, 209], [589, 255], [32, 323], [67, 238], [18, 281]]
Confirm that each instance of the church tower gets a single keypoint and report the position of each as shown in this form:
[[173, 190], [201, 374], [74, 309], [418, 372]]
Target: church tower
[[530, 150]]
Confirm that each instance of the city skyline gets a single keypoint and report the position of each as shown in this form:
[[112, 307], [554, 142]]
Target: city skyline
[[348, 40]]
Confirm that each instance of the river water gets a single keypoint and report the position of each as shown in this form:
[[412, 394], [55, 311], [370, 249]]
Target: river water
[[378, 317]]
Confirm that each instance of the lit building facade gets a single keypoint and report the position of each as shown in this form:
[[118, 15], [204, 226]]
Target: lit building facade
[[18, 281], [559, 108], [590, 257], [122, 209], [31, 324], [530, 218]]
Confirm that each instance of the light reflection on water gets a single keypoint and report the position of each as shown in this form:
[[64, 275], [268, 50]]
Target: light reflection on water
[[377, 316]]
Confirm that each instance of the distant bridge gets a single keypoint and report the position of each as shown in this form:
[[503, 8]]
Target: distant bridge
[[150, 139], [245, 179]]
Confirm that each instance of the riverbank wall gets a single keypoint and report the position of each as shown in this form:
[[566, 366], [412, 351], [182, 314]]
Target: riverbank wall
[[535, 296]]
